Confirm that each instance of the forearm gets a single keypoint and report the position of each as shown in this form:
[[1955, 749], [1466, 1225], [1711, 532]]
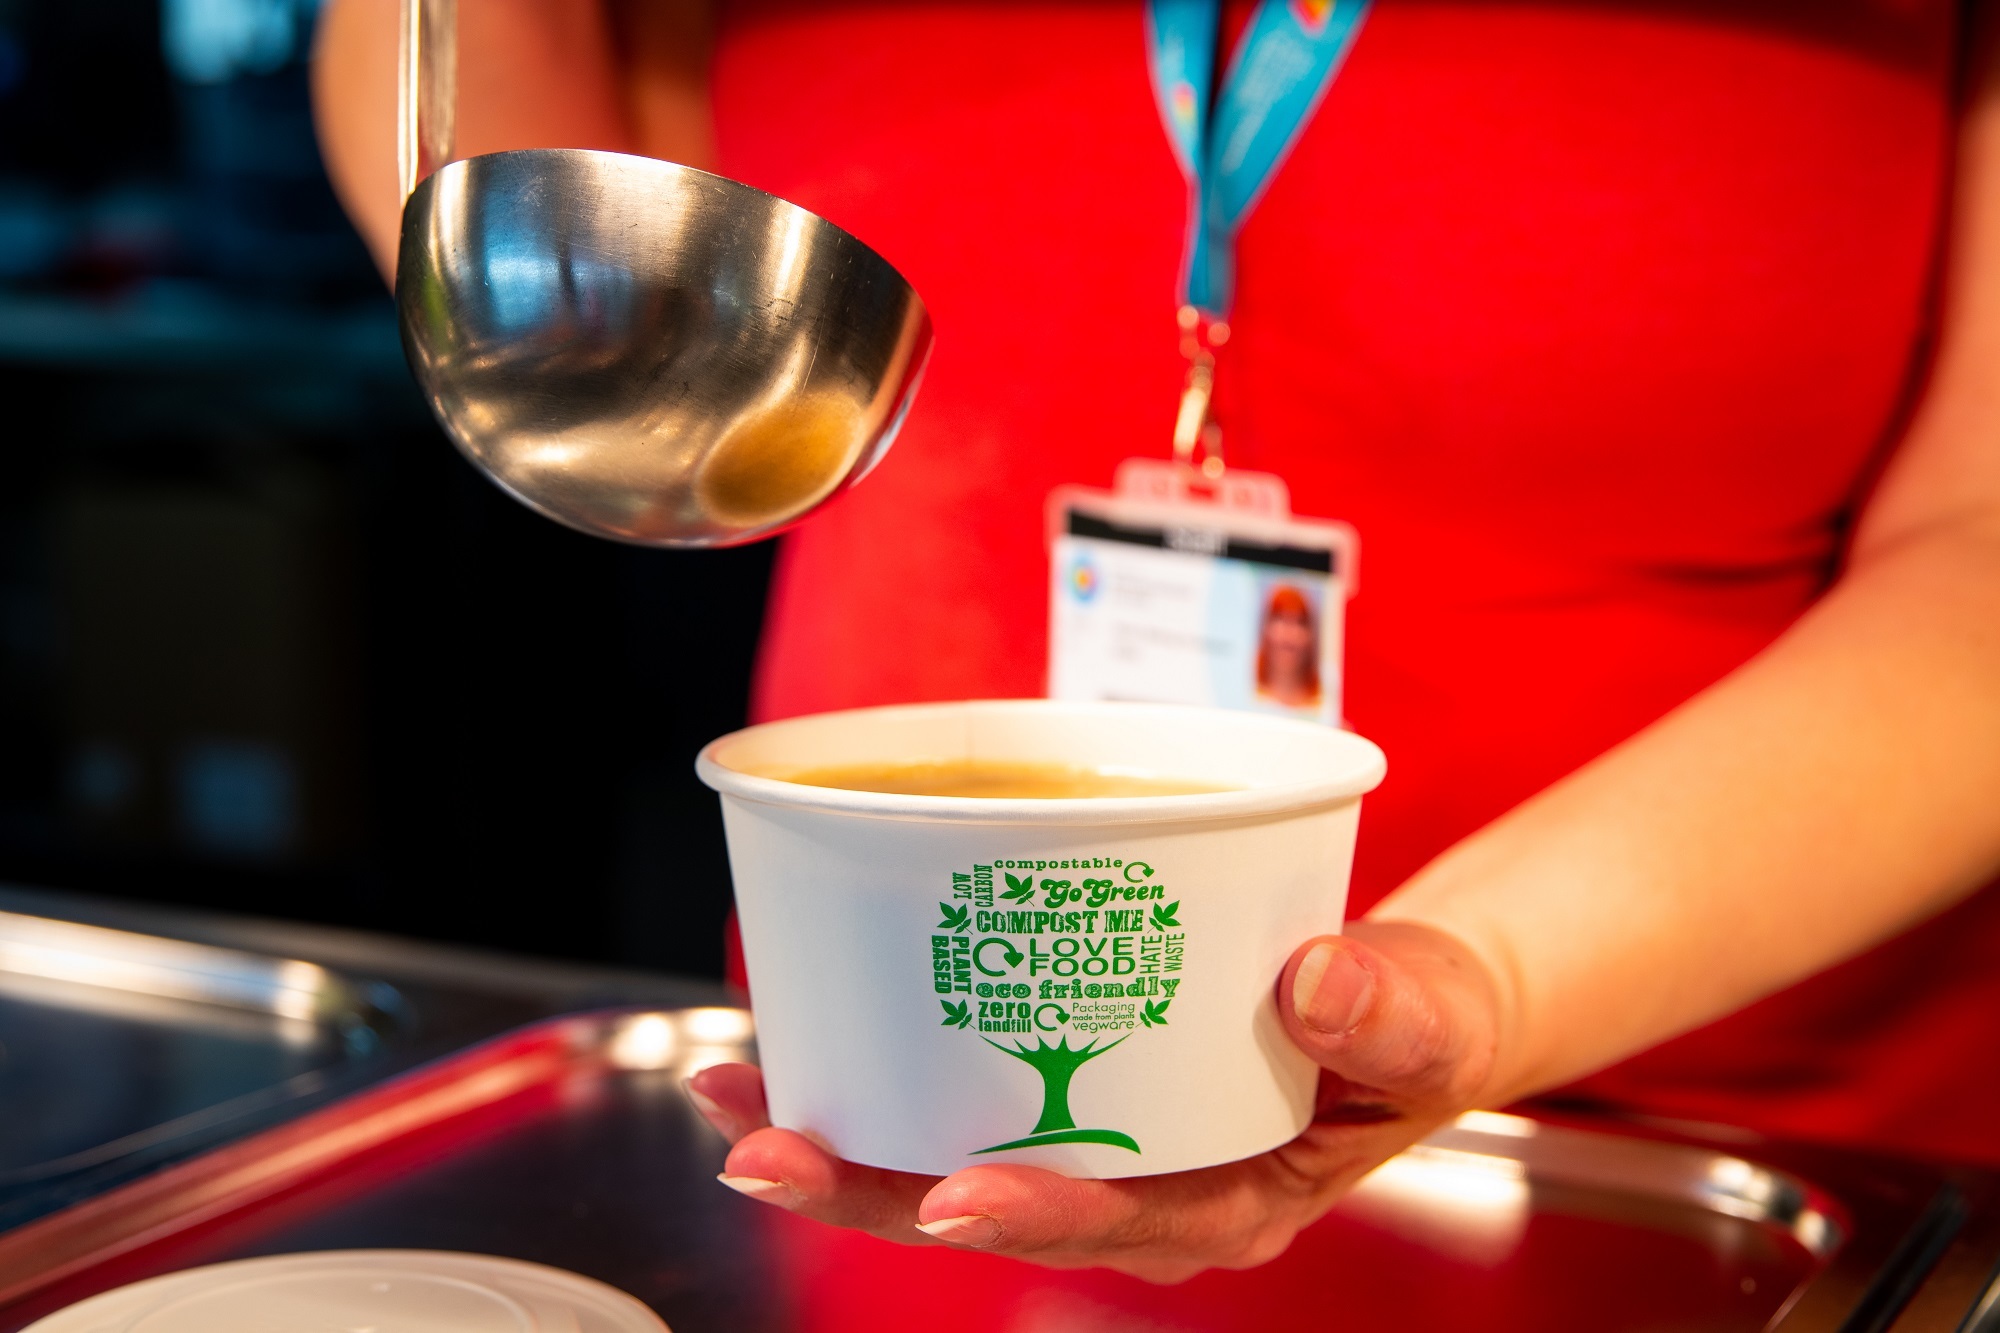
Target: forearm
[[532, 74], [1832, 791]]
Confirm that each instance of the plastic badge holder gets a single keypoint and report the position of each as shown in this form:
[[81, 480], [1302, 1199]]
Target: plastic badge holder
[[348, 1291]]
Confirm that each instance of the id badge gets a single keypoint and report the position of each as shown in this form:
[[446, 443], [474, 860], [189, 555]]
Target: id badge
[[1170, 588]]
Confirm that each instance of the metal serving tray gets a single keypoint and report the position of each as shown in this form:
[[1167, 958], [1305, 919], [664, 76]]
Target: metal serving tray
[[116, 1047], [568, 1142], [122, 1050]]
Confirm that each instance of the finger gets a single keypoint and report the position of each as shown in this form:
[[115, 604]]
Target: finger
[[1403, 1020], [1163, 1228], [782, 1167], [730, 1097]]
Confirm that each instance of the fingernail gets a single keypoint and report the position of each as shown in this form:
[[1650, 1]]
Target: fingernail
[[711, 1111], [1331, 991], [974, 1230], [764, 1191]]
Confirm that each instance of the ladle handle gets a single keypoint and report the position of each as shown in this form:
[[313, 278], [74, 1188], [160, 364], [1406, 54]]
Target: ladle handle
[[426, 90]]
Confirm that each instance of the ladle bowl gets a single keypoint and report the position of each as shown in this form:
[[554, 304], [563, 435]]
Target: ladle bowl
[[649, 352]]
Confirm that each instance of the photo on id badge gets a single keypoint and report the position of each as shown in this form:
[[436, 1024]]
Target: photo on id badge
[[1287, 674], [1182, 605]]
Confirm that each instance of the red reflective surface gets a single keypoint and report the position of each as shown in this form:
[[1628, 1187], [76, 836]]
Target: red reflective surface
[[1581, 1261]]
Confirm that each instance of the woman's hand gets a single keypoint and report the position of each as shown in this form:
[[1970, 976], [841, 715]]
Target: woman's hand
[[1402, 1019]]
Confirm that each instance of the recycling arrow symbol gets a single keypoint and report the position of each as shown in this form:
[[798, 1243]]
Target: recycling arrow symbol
[[1008, 951], [1062, 1016]]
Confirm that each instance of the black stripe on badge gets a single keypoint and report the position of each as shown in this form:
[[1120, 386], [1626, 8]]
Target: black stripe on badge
[[1202, 541]]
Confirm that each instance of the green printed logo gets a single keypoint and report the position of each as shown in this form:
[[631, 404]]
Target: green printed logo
[[1095, 954], [1056, 1064]]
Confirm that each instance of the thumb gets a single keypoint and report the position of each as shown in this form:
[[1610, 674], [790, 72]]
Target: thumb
[[1406, 1011]]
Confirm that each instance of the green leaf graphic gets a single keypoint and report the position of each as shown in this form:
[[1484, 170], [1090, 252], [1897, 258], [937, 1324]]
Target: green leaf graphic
[[1163, 914], [1020, 888], [956, 1015], [1155, 1012], [955, 918]]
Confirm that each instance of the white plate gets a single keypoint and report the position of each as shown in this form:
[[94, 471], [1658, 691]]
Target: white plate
[[361, 1291]]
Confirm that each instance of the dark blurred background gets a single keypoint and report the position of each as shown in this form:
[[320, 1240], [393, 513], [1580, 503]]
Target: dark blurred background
[[267, 643]]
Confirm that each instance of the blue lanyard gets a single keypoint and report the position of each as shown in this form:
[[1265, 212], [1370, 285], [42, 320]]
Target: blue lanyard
[[1289, 58]]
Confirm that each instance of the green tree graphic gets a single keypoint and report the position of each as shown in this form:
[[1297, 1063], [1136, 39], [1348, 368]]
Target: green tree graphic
[[1057, 1064]]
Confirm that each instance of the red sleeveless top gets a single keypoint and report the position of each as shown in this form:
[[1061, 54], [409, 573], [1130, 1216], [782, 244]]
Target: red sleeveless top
[[1595, 319]]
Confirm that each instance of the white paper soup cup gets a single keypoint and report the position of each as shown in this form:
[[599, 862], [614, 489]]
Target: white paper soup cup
[[1085, 985]]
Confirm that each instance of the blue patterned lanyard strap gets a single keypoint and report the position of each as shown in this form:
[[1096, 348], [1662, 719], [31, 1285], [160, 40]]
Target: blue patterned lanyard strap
[[1289, 57]]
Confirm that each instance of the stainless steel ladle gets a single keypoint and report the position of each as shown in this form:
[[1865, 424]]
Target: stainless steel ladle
[[640, 350]]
